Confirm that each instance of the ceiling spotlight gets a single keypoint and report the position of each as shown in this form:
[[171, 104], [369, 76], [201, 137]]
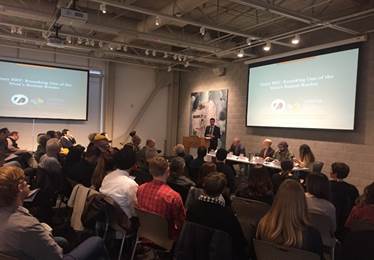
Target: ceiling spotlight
[[125, 48], [68, 39], [147, 52], [103, 8], [180, 57], [165, 54], [249, 41], [169, 68], [185, 58], [87, 43], [202, 30], [157, 21], [13, 29], [187, 64], [79, 41], [240, 53], [295, 40], [154, 53], [101, 44], [111, 47], [19, 30], [175, 57], [267, 46]]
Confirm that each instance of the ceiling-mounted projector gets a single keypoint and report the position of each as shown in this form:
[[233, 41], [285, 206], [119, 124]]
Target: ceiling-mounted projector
[[55, 41]]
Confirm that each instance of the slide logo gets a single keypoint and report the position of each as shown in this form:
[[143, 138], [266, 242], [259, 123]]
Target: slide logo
[[278, 105], [19, 99]]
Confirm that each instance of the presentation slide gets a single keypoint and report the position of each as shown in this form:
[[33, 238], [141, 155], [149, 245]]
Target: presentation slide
[[34, 91], [314, 92]]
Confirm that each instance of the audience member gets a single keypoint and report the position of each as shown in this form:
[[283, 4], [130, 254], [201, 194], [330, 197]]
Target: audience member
[[105, 164], [118, 183], [67, 140], [227, 170], [287, 222], [306, 157], [363, 212], [73, 156], [258, 187], [22, 236], [283, 153], [209, 210], [135, 140], [318, 196], [343, 194], [141, 173], [237, 148], [82, 171], [149, 150], [12, 141], [267, 151], [4, 149], [91, 137], [41, 149], [102, 142], [51, 134], [180, 151], [157, 197], [49, 161], [197, 163], [285, 173], [177, 179]]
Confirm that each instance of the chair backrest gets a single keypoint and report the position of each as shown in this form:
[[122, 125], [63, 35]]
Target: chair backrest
[[249, 212], [317, 167], [202, 243], [270, 251], [155, 228], [325, 227]]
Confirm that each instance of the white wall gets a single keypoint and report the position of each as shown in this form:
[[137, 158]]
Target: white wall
[[132, 87], [80, 129]]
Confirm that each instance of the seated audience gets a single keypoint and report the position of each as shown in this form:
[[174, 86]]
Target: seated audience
[[157, 197], [237, 148], [177, 179], [283, 153], [91, 137], [141, 173], [42, 143], [118, 184], [195, 191], [267, 151], [258, 187], [4, 149], [209, 210], [67, 140], [12, 141], [197, 163], [105, 164], [135, 140], [22, 236], [363, 212], [51, 134], [318, 196], [306, 157], [149, 149], [227, 170], [285, 173], [82, 171], [73, 156], [181, 152], [343, 194], [49, 161], [287, 223], [102, 142]]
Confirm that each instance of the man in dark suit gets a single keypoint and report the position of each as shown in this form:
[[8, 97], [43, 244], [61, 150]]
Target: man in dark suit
[[214, 133], [267, 151], [237, 148]]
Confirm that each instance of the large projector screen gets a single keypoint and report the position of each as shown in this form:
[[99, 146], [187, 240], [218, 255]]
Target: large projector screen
[[314, 91], [36, 91]]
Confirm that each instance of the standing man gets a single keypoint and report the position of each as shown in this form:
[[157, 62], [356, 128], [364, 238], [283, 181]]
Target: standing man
[[214, 133]]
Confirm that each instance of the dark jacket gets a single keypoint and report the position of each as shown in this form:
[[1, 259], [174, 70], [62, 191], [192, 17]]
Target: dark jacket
[[180, 184], [229, 173], [197, 242], [222, 218], [216, 136], [269, 152], [237, 149], [195, 168]]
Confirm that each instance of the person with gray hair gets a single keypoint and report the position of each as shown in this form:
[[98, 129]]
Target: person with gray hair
[[49, 161], [177, 180], [180, 151]]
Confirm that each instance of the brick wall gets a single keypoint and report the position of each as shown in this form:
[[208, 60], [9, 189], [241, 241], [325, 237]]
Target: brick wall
[[353, 147]]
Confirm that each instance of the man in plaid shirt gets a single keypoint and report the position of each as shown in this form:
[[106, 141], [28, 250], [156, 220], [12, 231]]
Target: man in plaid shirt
[[157, 197]]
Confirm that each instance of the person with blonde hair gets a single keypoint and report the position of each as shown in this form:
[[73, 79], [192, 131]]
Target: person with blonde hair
[[287, 223]]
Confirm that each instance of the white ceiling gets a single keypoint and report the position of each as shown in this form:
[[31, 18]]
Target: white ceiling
[[127, 31]]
